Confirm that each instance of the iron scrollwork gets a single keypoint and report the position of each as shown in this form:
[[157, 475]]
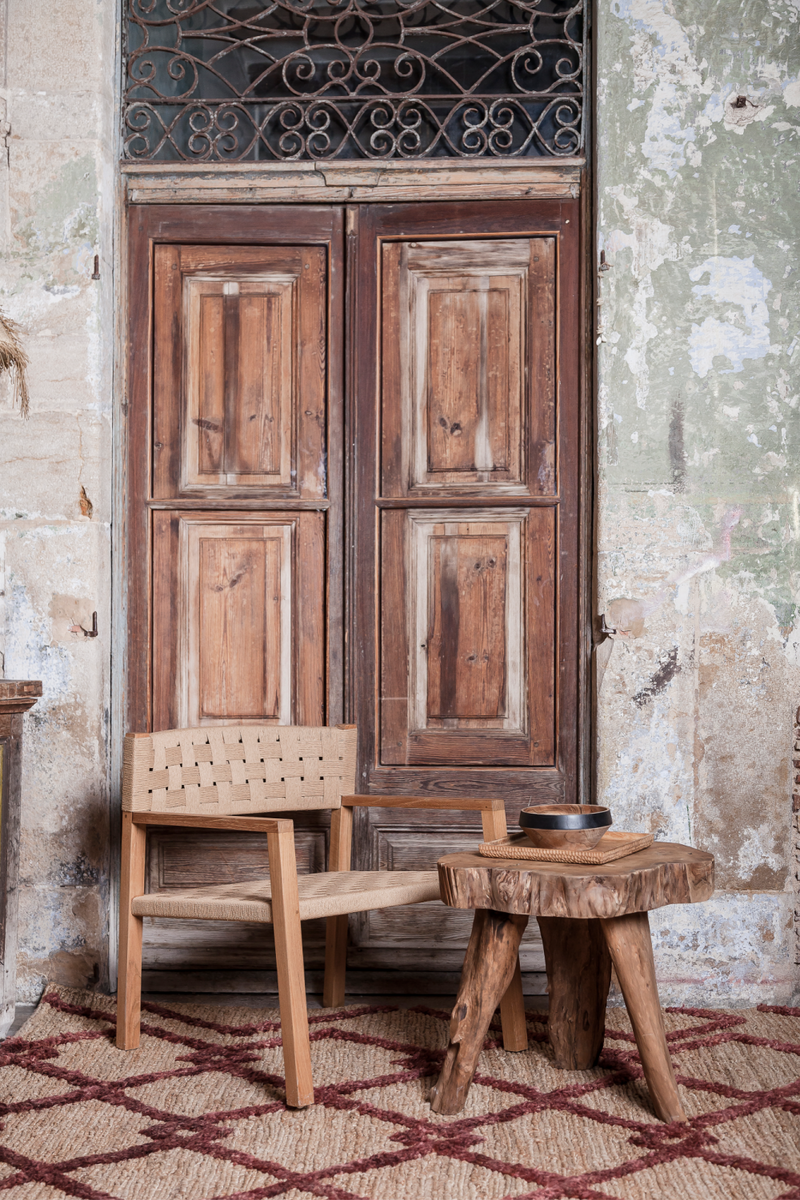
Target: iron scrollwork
[[250, 80]]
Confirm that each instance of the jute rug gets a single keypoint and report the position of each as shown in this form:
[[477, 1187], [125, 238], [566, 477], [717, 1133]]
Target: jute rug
[[197, 1111]]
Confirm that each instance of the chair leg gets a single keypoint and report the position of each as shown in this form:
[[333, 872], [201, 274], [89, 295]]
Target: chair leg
[[289, 961], [129, 985], [336, 932], [337, 928]]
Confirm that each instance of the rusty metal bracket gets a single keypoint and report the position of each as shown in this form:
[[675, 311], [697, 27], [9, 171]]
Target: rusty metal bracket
[[86, 632]]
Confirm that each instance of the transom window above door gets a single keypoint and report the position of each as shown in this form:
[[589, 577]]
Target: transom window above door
[[252, 80]]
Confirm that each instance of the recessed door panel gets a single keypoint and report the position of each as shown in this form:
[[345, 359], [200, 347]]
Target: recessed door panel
[[468, 628], [462, 411], [238, 618], [240, 371], [238, 423]]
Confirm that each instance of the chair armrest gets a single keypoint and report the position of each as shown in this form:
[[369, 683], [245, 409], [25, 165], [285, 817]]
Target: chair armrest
[[473, 803], [493, 812], [198, 821]]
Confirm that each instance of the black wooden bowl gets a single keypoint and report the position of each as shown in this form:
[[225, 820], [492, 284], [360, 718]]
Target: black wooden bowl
[[565, 826]]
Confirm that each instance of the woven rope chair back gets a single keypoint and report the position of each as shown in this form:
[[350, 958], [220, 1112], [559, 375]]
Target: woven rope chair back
[[233, 769]]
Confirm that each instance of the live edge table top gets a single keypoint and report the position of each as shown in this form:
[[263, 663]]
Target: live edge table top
[[664, 873]]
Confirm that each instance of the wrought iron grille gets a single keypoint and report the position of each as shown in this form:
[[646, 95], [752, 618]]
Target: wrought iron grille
[[249, 80]]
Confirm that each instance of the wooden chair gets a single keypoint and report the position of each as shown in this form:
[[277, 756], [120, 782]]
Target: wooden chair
[[219, 777]]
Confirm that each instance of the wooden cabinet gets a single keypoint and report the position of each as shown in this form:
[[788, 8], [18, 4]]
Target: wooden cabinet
[[402, 551]]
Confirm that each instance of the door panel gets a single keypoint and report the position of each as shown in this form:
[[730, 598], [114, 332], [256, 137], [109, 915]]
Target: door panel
[[468, 622], [239, 601], [468, 367], [240, 364]]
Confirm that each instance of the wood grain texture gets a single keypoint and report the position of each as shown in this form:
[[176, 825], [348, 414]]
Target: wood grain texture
[[239, 608], [513, 1021], [337, 928], [512, 1006], [129, 979], [240, 246], [542, 276], [193, 821], [453, 400], [578, 979], [664, 873], [239, 344], [382, 235], [468, 622], [628, 940], [486, 805], [467, 648], [489, 967], [519, 786], [289, 963], [332, 183]]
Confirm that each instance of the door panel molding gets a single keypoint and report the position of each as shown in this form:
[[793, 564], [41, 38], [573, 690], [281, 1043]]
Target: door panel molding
[[468, 606], [468, 395], [236, 623]]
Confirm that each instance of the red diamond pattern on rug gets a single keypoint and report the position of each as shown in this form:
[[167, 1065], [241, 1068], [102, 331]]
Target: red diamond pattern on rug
[[197, 1111]]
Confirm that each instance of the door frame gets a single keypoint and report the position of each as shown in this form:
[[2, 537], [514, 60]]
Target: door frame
[[143, 190]]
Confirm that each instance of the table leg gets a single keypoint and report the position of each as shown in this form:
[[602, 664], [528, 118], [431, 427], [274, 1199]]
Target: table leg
[[578, 978], [512, 1014], [628, 940], [489, 967]]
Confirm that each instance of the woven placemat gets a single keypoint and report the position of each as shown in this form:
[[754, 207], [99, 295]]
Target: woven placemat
[[614, 844]]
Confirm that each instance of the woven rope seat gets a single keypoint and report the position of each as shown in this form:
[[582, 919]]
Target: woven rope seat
[[323, 894]]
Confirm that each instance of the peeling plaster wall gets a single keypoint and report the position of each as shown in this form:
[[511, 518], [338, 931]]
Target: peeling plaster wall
[[698, 481], [698, 495], [56, 212]]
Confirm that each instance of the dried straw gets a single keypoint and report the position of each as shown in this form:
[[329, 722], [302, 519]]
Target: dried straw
[[14, 360]]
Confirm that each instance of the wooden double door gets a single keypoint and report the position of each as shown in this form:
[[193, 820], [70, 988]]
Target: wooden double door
[[353, 455]]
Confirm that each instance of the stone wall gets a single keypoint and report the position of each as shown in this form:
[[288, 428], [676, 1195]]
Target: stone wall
[[56, 212], [698, 508]]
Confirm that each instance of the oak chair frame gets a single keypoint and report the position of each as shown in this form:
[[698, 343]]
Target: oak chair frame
[[192, 788]]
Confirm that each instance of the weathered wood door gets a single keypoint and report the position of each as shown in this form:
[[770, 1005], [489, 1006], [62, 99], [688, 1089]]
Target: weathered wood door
[[236, 538], [465, 572], [440, 610]]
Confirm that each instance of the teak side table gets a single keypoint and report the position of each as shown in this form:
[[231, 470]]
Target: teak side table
[[589, 917]]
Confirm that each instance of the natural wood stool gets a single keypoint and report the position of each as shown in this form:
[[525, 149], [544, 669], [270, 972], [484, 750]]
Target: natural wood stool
[[589, 917]]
